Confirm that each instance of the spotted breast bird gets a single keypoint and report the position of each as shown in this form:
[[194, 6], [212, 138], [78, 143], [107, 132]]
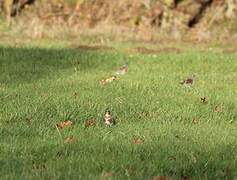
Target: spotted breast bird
[[108, 119]]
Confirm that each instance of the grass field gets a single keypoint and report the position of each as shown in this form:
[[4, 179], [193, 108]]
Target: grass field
[[163, 129]]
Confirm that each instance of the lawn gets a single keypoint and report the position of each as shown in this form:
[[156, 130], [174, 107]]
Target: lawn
[[163, 128]]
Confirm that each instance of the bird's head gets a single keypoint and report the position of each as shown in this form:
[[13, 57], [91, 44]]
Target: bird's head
[[107, 112]]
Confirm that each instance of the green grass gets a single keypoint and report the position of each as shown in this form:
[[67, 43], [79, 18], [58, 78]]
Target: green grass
[[39, 85]]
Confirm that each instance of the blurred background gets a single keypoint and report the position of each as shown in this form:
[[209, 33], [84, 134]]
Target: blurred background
[[149, 20]]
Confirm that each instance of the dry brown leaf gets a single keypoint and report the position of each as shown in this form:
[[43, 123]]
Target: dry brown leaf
[[75, 94], [102, 82], [225, 171], [107, 174], [186, 178], [138, 141], [204, 100], [219, 108], [119, 99], [143, 114], [70, 139], [108, 80], [195, 121], [130, 170], [172, 158], [64, 124], [39, 166], [160, 178], [90, 122], [177, 136], [29, 120]]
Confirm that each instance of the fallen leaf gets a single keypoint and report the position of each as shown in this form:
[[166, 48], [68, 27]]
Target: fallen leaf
[[75, 94], [225, 171], [129, 170], [68, 140], [108, 80], [29, 120], [102, 82], [177, 136], [204, 100], [160, 178], [64, 124], [90, 122], [39, 166], [107, 174], [195, 121], [219, 108], [143, 114], [59, 154], [172, 158], [138, 141], [186, 178], [119, 99]]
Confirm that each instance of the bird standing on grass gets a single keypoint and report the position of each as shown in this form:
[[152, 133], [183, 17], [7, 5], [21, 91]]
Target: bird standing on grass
[[122, 70], [108, 120], [188, 82]]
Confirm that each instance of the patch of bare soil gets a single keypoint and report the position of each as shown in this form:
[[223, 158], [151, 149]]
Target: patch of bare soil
[[147, 51]]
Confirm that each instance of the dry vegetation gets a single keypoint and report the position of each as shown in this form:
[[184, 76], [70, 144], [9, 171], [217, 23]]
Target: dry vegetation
[[135, 19]]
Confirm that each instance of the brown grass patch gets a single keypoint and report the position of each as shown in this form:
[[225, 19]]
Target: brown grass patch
[[95, 48], [147, 51], [230, 51]]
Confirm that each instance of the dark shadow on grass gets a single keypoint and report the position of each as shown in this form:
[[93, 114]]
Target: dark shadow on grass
[[25, 65], [139, 161]]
